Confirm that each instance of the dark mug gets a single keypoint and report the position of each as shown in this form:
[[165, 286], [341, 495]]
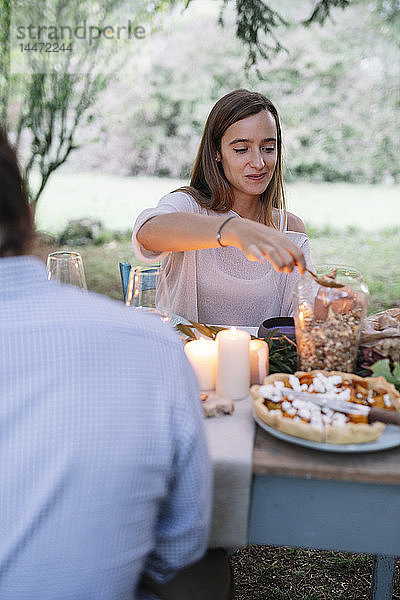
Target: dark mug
[[283, 325]]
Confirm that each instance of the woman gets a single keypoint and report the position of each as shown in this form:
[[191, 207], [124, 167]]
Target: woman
[[227, 243]]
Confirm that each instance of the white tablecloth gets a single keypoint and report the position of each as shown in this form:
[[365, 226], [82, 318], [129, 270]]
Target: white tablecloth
[[230, 441]]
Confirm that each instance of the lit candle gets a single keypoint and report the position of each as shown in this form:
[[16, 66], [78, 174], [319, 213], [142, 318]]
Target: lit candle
[[259, 361], [233, 364], [202, 355], [305, 314]]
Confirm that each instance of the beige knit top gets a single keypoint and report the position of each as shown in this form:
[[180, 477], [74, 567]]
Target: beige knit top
[[220, 285]]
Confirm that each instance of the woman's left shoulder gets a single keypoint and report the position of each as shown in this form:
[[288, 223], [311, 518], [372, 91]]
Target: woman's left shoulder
[[294, 223]]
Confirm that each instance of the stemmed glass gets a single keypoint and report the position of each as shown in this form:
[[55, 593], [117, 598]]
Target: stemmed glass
[[147, 290], [66, 267]]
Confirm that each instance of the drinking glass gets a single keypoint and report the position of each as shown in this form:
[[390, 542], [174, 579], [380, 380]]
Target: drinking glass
[[147, 290], [66, 267]]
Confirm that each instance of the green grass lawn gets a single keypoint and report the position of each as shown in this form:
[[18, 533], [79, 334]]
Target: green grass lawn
[[116, 201], [348, 224]]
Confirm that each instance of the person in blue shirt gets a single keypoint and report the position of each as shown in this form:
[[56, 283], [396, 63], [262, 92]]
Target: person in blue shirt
[[105, 484]]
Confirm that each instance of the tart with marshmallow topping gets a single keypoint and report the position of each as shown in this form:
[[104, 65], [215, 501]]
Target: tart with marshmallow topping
[[277, 407]]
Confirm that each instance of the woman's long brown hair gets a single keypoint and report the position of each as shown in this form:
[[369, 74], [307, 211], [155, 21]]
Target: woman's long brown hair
[[208, 184]]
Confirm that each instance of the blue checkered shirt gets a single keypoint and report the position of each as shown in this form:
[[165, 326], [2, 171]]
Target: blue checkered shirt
[[104, 471]]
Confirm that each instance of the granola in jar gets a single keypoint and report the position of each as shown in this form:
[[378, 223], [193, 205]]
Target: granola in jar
[[328, 321]]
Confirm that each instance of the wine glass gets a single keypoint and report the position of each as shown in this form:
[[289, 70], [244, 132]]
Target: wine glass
[[147, 290], [66, 267]]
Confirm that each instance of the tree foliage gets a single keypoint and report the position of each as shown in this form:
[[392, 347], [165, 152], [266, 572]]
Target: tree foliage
[[46, 105], [336, 90], [258, 25], [322, 10], [255, 26], [44, 100]]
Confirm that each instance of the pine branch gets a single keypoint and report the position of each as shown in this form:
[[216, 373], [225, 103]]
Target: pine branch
[[255, 26], [323, 9]]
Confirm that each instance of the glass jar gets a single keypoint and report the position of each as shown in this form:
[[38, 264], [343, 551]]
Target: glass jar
[[328, 320]]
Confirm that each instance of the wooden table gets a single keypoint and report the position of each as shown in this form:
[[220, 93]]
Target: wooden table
[[313, 499]]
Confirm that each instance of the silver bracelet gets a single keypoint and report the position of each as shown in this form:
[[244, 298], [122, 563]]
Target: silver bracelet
[[220, 229]]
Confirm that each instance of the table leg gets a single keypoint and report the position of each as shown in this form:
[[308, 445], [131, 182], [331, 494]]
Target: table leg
[[382, 577]]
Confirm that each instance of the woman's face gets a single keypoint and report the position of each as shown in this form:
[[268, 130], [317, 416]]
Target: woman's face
[[249, 154]]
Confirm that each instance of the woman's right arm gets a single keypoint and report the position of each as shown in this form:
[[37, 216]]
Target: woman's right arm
[[178, 231]]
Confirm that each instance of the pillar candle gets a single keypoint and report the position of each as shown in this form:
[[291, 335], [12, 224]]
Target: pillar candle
[[202, 355], [233, 364], [259, 361]]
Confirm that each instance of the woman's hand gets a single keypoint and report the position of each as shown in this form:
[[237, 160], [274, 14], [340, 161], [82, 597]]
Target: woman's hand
[[260, 243]]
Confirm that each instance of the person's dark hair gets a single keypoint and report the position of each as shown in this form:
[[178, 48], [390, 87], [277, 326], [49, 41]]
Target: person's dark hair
[[16, 228], [208, 184]]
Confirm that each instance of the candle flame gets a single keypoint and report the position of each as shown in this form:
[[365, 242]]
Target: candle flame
[[305, 313], [256, 344]]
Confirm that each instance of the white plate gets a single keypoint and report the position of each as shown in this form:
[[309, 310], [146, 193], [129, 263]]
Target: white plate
[[390, 438]]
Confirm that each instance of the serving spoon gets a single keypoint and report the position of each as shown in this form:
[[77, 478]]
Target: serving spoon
[[326, 280]]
